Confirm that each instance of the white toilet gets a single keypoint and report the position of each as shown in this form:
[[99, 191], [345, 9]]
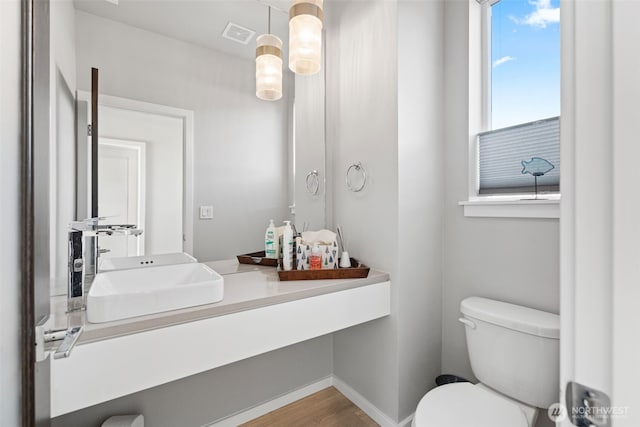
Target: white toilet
[[514, 352]]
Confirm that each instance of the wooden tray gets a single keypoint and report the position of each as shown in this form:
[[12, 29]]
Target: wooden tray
[[257, 258], [358, 272]]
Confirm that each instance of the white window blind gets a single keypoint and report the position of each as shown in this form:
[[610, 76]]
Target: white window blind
[[502, 151]]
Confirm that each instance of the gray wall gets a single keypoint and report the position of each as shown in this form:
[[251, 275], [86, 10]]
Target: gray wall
[[240, 153], [417, 177], [362, 126], [10, 33], [201, 399], [384, 109], [420, 197], [513, 260]]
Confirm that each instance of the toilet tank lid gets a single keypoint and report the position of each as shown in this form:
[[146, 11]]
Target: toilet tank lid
[[512, 316]]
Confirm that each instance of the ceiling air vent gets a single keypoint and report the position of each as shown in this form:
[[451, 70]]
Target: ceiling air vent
[[238, 33]]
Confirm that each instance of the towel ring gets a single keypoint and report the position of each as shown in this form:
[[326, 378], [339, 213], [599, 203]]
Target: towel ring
[[313, 182], [356, 167]]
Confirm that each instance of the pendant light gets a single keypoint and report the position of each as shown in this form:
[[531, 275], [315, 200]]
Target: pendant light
[[269, 66], [305, 36]]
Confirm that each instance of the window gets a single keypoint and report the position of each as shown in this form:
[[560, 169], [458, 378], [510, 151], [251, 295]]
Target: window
[[525, 61], [519, 150]]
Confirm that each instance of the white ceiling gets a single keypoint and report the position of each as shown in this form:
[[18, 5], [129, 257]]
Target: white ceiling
[[200, 22]]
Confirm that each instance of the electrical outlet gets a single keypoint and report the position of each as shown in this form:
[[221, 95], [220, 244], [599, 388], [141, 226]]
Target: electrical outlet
[[206, 212]]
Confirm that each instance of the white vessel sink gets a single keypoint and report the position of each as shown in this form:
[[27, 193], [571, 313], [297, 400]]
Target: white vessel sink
[[123, 263], [121, 294]]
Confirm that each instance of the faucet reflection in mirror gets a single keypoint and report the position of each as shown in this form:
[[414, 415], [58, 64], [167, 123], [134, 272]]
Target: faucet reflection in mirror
[[81, 273]]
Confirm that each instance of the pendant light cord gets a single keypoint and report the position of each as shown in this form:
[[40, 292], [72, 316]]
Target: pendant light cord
[[269, 25]]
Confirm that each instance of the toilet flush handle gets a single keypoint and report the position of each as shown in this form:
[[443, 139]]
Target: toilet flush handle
[[467, 322]]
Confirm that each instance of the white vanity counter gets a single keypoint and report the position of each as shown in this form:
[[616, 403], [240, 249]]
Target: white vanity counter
[[258, 314]]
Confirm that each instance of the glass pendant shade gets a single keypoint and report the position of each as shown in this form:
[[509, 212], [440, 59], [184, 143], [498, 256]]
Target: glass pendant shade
[[269, 67], [305, 36]]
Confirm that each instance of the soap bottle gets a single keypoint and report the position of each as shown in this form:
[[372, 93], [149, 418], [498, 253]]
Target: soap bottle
[[315, 260], [271, 241], [287, 247]]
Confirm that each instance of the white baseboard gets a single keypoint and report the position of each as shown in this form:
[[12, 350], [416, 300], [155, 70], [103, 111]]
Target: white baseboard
[[257, 411], [407, 421], [271, 405], [369, 408]]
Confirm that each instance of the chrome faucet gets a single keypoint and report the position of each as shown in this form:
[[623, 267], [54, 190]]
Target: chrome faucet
[[75, 290], [81, 272]]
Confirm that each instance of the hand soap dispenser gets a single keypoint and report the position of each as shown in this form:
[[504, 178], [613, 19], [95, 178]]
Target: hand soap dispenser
[[271, 241]]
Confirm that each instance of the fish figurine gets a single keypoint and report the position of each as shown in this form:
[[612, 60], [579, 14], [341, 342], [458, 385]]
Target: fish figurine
[[537, 166]]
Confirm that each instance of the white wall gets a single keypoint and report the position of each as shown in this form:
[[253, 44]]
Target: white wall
[[418, 174], [420, 197], [240, 141], [362, 125], [384, 109], [513, 260], [10, 77]]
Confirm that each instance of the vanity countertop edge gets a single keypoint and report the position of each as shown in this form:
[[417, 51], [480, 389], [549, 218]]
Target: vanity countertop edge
[[247, 287]]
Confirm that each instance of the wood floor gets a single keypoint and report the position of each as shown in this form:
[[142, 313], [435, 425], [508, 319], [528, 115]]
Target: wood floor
[[326, 408]]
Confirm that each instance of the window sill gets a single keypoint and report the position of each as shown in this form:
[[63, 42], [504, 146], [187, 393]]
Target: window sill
[[501, 208]]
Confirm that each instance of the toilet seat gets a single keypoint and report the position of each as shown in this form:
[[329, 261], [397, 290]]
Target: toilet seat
[[465, 405]]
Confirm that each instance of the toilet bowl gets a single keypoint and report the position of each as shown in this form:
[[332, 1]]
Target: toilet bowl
[[514, 352], [465, 404]]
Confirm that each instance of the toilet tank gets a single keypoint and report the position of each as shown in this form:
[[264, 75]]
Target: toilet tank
[[515, 350]]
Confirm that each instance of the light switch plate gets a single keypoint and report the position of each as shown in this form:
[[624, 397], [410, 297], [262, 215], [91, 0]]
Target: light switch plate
[[206, 212]]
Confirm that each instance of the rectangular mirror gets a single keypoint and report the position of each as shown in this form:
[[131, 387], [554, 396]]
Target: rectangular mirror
[[180, 128]]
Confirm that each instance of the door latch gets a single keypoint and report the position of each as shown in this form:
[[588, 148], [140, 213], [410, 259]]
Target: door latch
[[587, 407]]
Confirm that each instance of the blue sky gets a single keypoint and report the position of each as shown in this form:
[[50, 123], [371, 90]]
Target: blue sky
[[525, 58]]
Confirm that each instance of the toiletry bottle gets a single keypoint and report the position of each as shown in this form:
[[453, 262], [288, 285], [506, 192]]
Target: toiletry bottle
[[315, 260], [287, 247], [271, 241]]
